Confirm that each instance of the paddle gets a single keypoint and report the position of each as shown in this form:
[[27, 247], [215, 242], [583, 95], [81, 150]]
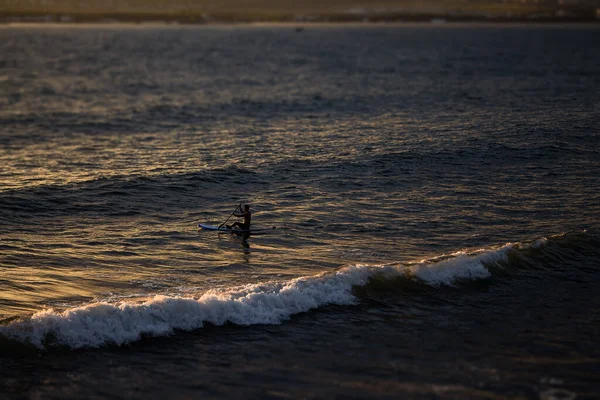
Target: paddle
[[239, 206]]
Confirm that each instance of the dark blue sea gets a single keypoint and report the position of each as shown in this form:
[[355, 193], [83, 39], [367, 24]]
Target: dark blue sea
[[434, 191]]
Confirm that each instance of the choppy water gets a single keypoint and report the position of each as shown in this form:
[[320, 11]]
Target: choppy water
[[434, 189]]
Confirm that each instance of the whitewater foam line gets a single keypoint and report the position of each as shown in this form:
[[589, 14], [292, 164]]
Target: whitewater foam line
[[99, 324], [462, 265], [103, 323]]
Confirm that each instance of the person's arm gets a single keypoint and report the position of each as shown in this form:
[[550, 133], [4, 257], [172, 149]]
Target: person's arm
[[239, 215]]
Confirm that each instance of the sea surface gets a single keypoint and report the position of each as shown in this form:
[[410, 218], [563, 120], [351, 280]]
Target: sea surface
[[434, 192]]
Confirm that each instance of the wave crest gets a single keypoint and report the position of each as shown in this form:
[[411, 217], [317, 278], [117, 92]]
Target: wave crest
[[103, 323]]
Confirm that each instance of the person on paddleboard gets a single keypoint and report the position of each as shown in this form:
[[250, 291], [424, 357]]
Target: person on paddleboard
[[247, 215]]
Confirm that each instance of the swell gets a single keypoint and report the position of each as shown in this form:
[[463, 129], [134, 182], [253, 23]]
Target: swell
[[121, 194], [153, 118], [103, 323]]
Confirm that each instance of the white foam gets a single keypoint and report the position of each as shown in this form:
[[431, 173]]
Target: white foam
[[102, 323], [459, 266], [539, 243]]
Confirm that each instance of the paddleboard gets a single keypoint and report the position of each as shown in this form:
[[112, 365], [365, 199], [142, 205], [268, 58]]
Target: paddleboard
[[208, 227]]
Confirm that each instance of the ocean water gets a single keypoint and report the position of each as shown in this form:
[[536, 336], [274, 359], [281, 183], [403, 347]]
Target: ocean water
[[434, 192]]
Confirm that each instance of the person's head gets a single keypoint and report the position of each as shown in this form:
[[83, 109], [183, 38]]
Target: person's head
[[247, 207]]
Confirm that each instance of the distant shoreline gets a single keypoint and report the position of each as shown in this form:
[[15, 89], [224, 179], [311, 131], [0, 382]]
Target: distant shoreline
[[245, 18]]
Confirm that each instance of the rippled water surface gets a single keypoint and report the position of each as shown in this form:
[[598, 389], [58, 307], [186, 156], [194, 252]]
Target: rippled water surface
[[434, 193]]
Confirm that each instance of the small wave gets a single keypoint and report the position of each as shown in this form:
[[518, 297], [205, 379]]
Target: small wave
[[462, 265], [104, 323]]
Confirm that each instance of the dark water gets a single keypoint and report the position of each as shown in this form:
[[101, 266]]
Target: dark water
[[434, 189]]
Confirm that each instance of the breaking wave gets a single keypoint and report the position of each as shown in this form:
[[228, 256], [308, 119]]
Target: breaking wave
[[273, 302], [103, 323]]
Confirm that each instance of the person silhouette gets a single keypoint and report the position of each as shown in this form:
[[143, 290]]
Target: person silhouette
[[247, 215]]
